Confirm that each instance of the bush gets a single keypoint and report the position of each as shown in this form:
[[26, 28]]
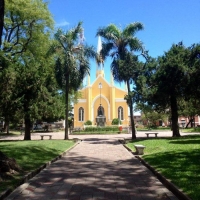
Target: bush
[[116, 121], [99, 129], [88, 122]]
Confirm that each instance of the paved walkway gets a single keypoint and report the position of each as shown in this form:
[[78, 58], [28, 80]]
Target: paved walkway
[[96, 168]]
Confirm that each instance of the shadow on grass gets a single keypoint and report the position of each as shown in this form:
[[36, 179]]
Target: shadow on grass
[[182, 167], [99, 177], [29, 154], [10, 134], [178, 159]]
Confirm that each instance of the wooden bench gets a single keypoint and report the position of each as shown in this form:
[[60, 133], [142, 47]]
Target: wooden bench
[[151, 133], [42, 136], [139, 149]]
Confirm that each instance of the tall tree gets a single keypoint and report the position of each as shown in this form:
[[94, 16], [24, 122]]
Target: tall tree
[[26, 36], [191, 106], [37, 92], [72, 62], [166, 82], [117, 44], [193, 62]]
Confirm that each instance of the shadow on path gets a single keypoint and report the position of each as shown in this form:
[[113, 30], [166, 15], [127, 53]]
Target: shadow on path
[[95, 169]]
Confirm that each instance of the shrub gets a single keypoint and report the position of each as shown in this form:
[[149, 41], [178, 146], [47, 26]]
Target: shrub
[[116, 121], [99, 129], [88, 122]]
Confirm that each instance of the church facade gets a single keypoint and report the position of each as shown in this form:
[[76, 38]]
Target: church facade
[[101, 101]]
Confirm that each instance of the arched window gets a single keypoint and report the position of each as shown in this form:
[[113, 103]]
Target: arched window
[[81, 114], [120, 113]]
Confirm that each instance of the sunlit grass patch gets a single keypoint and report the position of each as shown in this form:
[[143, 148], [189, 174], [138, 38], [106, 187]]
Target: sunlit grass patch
[[178, 159], [30, 155]]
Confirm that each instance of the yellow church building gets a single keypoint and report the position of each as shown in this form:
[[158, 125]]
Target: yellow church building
[[101, 101]]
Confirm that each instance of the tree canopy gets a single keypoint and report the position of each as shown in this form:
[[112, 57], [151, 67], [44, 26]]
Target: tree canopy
[[71, 62], [120, 45], [28, 88]]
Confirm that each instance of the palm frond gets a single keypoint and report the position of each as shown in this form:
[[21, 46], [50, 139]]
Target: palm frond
[[76, 31], [110, 32], [132, 28], [89, 51], [106, 48], [135, 44]]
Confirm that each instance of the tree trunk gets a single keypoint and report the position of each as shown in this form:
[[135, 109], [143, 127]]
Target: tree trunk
[[27, 121], [174, 112], [27, 133], [66, 104], [191, 120], [131, 113], [6, 125], [2, 6]]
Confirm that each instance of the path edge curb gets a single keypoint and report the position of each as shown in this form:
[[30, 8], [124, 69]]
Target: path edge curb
[[37, 171], [166, 182]]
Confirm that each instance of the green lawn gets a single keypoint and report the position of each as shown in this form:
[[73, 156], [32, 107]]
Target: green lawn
[[191, 130], [178, 159], [30, 155], [159, 128]]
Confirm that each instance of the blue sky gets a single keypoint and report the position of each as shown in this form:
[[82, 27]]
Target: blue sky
[[165, 21]]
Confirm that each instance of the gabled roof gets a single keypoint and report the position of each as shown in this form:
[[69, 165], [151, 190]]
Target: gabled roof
[[101, 77]]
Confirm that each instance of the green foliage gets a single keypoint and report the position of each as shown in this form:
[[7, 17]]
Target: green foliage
[[72, 62], [177, 159], [116, 121], [29, 157], [27, 23], [151, 116], [120, 45], [88, 122], [102, 129], [163, 83], [27, 70]]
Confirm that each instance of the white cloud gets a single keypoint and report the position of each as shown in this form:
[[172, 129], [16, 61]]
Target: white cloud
[[61, 24]]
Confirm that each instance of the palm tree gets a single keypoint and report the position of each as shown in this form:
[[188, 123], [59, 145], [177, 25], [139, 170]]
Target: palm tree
[[118, 44], [72, 62]]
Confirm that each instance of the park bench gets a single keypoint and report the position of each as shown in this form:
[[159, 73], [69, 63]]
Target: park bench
[[139, 149], [151, 134], [42, 136]]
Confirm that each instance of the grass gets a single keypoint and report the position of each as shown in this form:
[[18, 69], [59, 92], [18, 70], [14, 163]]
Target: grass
[[30, 155], [159, 128], [178, 159], [191, 130]]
